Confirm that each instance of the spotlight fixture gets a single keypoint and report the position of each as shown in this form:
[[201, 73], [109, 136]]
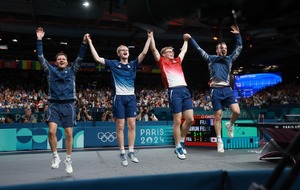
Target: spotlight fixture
[[63, 43], [86, 4]]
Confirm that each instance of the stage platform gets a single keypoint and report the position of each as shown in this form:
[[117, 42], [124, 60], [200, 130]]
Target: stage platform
[[34, 166]]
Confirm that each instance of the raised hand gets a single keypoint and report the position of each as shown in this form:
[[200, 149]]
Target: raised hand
[[186, 36], [86, 38], [150, 33], [40, 33], [235, 29]]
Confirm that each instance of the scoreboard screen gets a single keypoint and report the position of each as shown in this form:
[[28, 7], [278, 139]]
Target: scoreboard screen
[[202, 132], [248, 84]]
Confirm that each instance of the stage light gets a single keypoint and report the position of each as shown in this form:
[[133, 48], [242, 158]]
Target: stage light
[[86, 4], [64, 43], [3, 47]]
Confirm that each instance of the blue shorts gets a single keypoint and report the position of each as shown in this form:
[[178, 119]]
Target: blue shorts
[[180, 99], [61, 112], [124, 106], [222, 97]]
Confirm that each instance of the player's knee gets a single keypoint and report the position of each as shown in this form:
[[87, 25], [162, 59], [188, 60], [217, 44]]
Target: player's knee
[[189, 121], [52, 133], [236, 113], [177, 122], [218, 118]]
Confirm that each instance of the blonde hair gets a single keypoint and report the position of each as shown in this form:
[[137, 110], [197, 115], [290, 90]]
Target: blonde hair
[[120, 46], [162, 51]]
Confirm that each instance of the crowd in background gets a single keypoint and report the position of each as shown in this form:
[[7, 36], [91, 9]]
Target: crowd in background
[[27, 90], [279, 94]]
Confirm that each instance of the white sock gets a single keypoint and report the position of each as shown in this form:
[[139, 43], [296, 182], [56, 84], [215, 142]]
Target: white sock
[[122, 150], [130, 149], [178, 145], [219, 139], [55, 154], [68, 158]]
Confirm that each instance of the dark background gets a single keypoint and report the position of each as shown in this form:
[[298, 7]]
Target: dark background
[[270, 30]]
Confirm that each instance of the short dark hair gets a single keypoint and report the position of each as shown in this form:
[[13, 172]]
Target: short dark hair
[[219, 44], [10, 116], [61, 53]]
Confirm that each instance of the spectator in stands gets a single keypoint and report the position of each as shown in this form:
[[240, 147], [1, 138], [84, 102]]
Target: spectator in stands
[[222, 94], [124, 107], [62, 97], [146, 115], [83, 114], [180, 99], [7, 108], [43, 115], [9, 119], [40, 106], [2, 119], [28, 117], [108, 116]]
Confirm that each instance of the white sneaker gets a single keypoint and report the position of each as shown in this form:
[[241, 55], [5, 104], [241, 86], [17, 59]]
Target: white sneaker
[[124, 161], [132, 157], [69, 168], [230, 129], [183, 148], [220, 147], [55, 163], [180, 154]]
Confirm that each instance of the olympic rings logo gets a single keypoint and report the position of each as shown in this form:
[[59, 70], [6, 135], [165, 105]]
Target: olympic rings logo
[[107, 136]]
